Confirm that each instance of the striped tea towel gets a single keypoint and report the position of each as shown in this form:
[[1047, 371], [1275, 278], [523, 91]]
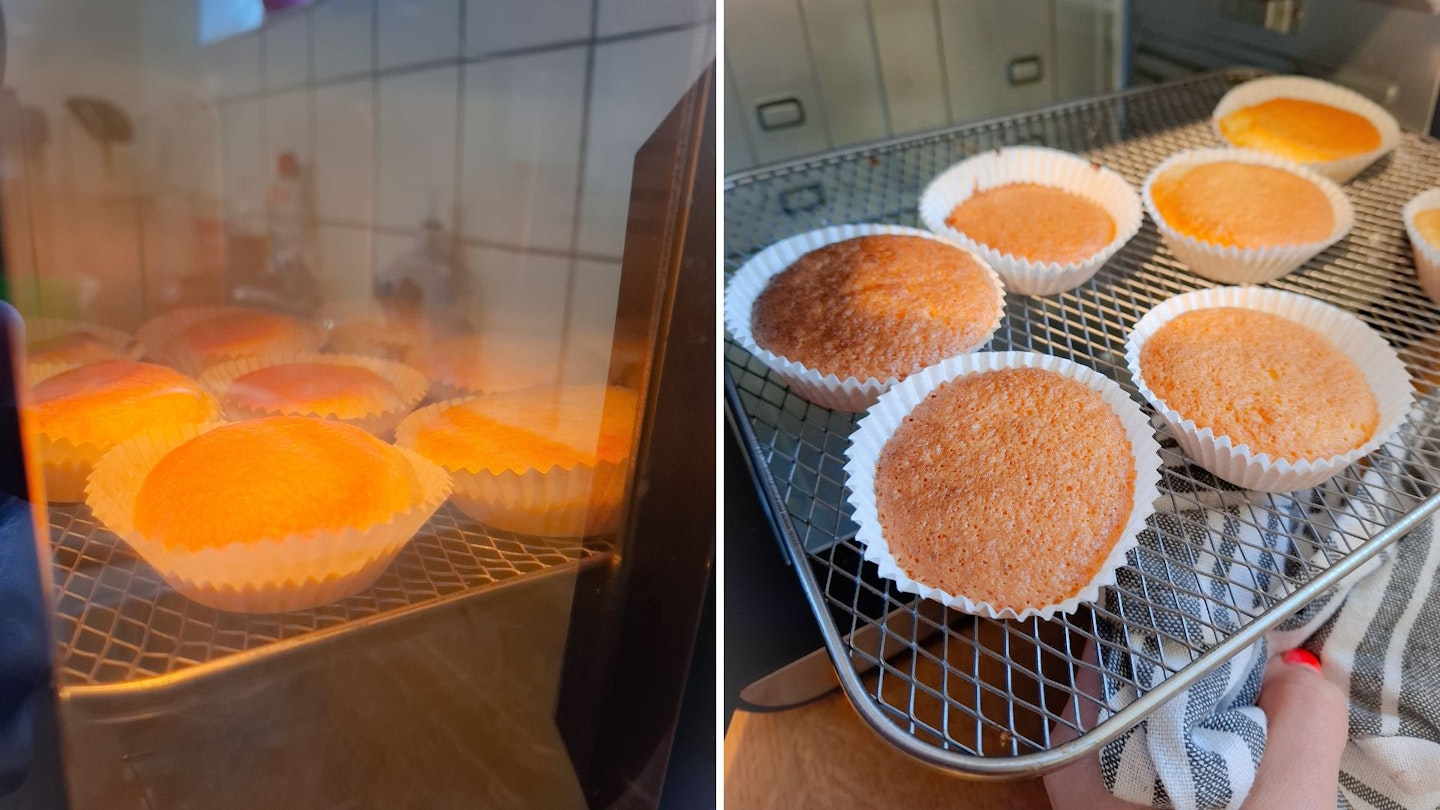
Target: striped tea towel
[[1378, 633]]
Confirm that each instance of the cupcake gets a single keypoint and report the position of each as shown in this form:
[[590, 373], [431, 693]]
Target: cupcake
[[275, 514], [375, 329], [197, 338], [1330, 130], [493, 362], [80, 414], [371, 394], [53, 345], [1046, 220], [1268, 390], [1422, 223], [843, 313], [1244, 217], [1006, 484], [545, 462]]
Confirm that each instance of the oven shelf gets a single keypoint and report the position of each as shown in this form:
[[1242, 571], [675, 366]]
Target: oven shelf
[[986, 698], [119, 625]]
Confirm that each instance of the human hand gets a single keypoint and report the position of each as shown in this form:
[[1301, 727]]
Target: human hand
[[1307, 718]]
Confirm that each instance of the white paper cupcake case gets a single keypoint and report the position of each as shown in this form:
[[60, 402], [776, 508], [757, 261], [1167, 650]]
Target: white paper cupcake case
[[876, 428], [267, 576], [826, 390], [156, 335], [66, 469], [410, 383], [1382, 368], [1427, 254], [1303, 88], [1045, 167], [1237, 265], [559, 502]]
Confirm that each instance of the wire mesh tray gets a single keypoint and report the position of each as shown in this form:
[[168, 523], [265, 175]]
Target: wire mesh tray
[[118, 623], [990, 698]]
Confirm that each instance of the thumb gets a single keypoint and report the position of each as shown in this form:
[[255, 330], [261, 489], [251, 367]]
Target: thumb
[[1307, 717]]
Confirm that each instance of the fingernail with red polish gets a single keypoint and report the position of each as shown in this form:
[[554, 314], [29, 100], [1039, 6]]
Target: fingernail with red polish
[[1302, 657]]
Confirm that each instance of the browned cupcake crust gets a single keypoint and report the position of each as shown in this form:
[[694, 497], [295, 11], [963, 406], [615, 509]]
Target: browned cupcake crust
[[1280, 388], [1007, 487], [876, 306]]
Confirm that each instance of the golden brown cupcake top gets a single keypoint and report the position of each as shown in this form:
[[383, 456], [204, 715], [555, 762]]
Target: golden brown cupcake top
[[532, 429], [268, 479], [1242, 204], [1008, 487], [876, 306], [73, 348], [1304, 131], [342, 391], [1039, 223], [194, 339], [1279, 388], [104, 403], [1428, 224], [238, 333]]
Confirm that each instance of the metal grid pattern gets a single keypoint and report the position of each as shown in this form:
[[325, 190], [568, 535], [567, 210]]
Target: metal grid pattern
[[983, 697], [119, 622]]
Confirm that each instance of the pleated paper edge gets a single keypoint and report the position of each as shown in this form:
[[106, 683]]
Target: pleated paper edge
[[1046, 167], [876, 428], [826, 390], [1237, 265], [1384, 373], [1305, 88]]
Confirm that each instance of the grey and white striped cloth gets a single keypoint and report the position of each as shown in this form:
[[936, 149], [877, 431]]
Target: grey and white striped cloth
[[1378, 633]]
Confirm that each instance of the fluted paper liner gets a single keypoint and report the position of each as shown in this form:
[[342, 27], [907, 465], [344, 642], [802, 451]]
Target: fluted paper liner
[[1304, 88], [157, 337], [42, 329], [1241, 265], [1427, 254], [270, 575], [827, 390], [1044, 167], [67, 463], [877, 427], [1383, 371], [410, 383], [560, 502], [66, 468]]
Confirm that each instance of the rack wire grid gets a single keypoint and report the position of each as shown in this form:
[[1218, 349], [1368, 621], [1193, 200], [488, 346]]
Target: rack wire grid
[[119, 623], [1001, 699]]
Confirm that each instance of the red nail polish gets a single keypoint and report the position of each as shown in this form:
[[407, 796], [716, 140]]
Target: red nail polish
[[1302, 657]]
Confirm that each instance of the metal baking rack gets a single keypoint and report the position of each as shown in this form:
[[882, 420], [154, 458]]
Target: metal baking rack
[[119, 624], [993, 699]]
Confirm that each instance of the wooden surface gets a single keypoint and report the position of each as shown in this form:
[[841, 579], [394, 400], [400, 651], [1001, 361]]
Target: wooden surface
[[823, 755]]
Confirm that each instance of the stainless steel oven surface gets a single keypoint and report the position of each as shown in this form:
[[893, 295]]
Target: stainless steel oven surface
[[355, 375]]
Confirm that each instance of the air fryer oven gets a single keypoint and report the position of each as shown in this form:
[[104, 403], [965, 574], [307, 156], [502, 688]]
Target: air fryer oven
[[485, 667]]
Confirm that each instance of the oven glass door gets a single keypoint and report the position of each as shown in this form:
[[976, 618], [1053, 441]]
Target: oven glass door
[[345, 358]]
